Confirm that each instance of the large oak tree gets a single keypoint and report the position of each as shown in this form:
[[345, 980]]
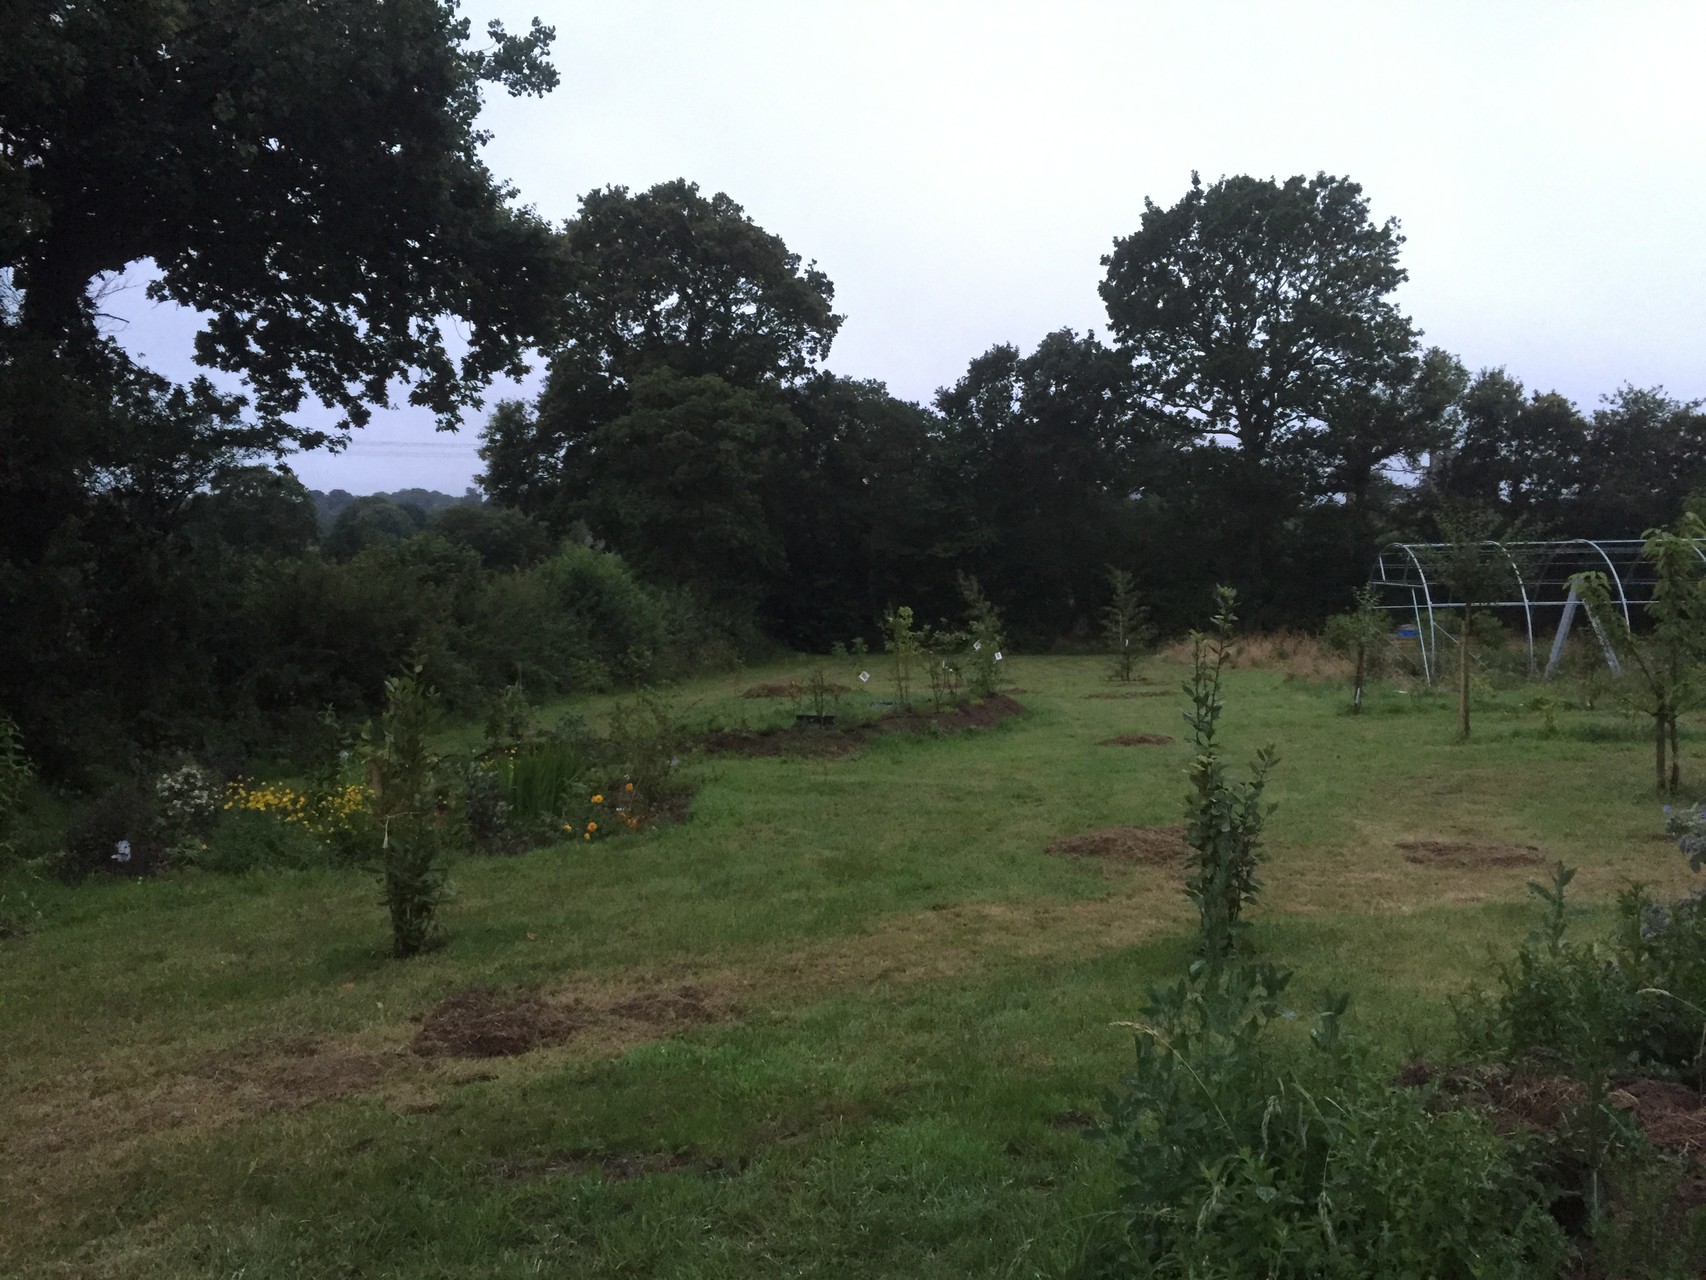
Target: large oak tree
[[307, 172]]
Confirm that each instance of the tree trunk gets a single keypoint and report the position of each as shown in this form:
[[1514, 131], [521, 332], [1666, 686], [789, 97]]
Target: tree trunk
[[1356, 699], [1675, 756], [1660, 725], [1463, 677]]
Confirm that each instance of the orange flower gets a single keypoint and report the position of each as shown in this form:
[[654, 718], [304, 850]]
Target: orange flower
[[598, 799], [628, 787], [592, 826]]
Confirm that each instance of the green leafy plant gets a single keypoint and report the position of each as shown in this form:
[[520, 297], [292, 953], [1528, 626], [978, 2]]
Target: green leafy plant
[[1667, 659], [16, 773], [1361, 635], [1125, 626], [409, 811], [905, 651], [1223, 818], [983, 640]]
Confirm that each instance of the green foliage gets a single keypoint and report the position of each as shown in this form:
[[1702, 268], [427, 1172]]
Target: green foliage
[[16, 772], [410, 815], [1361, 633], [245, 840], [1238, 1160], [1251, 304], [983, 640], [1224, 819], [906, 650], [117, 833], [1667, 659], [1125, 625], [644, 747], [152, 136]]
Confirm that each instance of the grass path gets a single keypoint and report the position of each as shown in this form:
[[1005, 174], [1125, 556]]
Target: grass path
[[900, 1003]]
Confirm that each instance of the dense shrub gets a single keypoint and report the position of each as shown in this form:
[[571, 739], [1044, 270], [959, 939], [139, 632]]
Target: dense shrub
[[1241, 1157], [118, 833], [247, 840]]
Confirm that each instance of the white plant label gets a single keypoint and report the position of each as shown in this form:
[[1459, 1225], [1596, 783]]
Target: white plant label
[[976, 645], [998, 655], [864, 677]]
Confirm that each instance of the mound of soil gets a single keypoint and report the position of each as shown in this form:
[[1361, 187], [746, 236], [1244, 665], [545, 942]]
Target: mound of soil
[[1136, 740], [482, 1023], [1672, 1115], [810, 741], [831, 742], [685, 1007], [974, 715], [1451, 853], [791, 689], [1138, 846]]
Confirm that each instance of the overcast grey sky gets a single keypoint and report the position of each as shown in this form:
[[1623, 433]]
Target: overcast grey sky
[[959, 169]]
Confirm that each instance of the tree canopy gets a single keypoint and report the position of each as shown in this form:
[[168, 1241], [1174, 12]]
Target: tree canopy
[[307, 172], [1250, 304]]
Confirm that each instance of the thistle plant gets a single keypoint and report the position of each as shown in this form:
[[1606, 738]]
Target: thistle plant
[[1224, 818]]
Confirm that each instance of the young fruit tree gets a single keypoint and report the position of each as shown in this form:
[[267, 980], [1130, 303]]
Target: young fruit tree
[[1360, 634], [1665, 659]]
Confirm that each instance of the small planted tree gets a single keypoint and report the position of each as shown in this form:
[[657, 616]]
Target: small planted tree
[[1667, 659], [905, 648], [1125, 625], [414, 839], [983, 634], [1476, 570], [1361, 635], [1223, 818]]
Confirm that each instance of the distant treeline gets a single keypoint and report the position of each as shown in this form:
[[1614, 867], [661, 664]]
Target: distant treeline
[[419, 503]]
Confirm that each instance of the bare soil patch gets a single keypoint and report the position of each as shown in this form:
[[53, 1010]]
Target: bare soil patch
[[683, 1007], [791, 689], [1453, 853], [1672, 1115], [1140, 846], [1073, 1122], [483, 1023], [834, 742], [286, 1075], [1136, 740]]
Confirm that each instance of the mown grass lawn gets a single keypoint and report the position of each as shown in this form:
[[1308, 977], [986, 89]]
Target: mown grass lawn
[[848, 1020]]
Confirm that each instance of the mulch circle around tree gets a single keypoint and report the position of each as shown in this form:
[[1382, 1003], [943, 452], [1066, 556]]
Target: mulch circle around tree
[[1455, 853], [1136, 846], [483, 1023], [1136, 740]]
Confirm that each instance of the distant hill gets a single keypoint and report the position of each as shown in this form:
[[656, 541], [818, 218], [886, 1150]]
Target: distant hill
[[328, 505]]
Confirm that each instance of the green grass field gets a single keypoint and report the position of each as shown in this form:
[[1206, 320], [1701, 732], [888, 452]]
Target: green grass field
[[848, 1020]]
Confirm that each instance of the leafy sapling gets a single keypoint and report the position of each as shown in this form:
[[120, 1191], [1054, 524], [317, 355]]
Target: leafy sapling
[[1224, 818]]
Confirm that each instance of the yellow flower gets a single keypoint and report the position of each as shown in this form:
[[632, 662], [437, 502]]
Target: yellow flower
[[587, 836], [628, 787], [598, 799]]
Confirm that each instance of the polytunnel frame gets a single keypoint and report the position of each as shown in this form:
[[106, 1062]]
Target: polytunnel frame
[[1552, 564]]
